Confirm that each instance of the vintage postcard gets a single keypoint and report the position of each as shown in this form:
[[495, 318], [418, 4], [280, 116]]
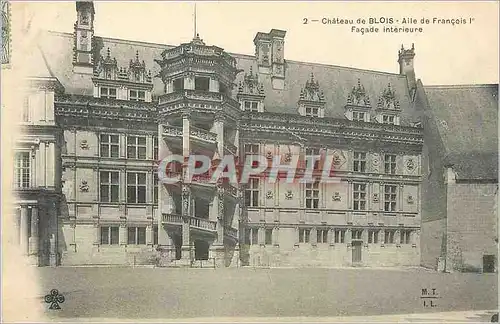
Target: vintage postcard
[[249, 161]]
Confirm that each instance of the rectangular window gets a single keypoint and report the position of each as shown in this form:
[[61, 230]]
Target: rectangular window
[[389, 237], [312, 112], [110, 145], [109, 184], [359, 162], [251, 106], [202, 83], [359, 196], [251, 149], [358, 116], [110, 235], [155, 188], [373, 236], [388, 120], [405, 237], [339, 236], [252, 193], [155, 148], [312, 195], [137, 235], [136, 187], [322, 236], [155, 234], [390, 198], [178, 84], [137, 95], [390, 164], [356, 234], [252, 236], [269, 236], [312, 154], [108, 93], [304, 235], [22, 167], [136, 147]]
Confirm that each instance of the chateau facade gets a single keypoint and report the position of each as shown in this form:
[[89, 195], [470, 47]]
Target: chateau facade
[[101, 113]]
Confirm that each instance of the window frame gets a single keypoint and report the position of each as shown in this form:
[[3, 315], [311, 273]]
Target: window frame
[[322, 236], [251, 105], [359, 164], [359, 196], [137, 95], [304, 235], [139, 187], [137, 238], [110, 184], [108, 91], [339, 236], [358, 116], [390, 197], [390, 166], [405, 236], [312, 200], [373, 236], [311, 111], [110, 145], [252, 191], [22, 173], [268, 236], [389, 119], [389, 236], [109, 237], [134, 145]]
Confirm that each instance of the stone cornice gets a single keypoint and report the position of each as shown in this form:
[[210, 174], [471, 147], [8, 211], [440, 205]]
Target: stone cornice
[[98, 108], [49, 83]]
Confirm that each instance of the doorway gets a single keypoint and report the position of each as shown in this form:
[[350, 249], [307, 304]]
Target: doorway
[[356, 252], [201, 250], [488, 263]]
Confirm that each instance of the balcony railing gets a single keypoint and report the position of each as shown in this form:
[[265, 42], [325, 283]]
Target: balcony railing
[[233, 232], [230, 147], [198, 133], [201, 223]]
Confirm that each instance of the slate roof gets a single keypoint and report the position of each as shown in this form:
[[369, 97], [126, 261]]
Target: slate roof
[[336, 82], [466, 117]]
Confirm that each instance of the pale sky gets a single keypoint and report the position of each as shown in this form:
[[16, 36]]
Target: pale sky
[[445, 54]]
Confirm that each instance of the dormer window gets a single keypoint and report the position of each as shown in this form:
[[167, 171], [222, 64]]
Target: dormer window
[[202, 83], [388, 120], [137, 95], [358, 116], [178, 84], [251, 106], [108, 93], [312, 112]]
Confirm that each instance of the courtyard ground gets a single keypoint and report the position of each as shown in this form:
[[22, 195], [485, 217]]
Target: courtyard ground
[[163, 293]]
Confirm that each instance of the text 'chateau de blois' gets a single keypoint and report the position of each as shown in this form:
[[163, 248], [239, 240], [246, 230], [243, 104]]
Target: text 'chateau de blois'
[[416, 166]]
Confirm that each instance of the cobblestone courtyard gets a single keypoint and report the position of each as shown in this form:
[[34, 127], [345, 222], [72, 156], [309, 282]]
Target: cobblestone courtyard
[[146, 293]]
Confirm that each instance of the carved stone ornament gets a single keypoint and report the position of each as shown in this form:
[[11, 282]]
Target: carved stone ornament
[[358, 96], [375, 160], [289, 195], [84, 187], [375, 198], [311, 91], [410, 200], [269, 155], [185, 200], [269, 195], [251, 84], [388, 99], [84, 145], [336, 197], [410, 165], [288, 157], [338, 158]]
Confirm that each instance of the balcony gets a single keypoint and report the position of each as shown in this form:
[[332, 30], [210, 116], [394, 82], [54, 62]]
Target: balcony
[[206, 97], [230, 231], [195, 222], [194, 132], [230, 148]]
